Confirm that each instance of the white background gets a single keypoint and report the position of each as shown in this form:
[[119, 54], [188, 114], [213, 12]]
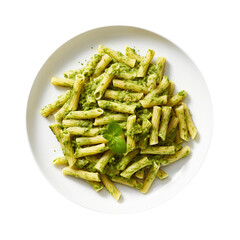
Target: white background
[[208, 207]]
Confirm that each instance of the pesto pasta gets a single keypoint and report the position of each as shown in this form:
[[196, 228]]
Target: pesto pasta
[[119, 121]]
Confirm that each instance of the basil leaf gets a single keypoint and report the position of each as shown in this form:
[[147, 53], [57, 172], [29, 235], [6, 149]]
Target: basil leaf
[[107, 136], [118, 145], [114, 129]]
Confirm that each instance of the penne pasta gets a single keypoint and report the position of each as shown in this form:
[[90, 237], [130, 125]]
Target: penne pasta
[[166, 113], [190, 125], [93, 150], [130, 140], [110, 187], [185, 151], [123, 96], [154, 101], [155, 125], [104, 160], [150, 177], [127, 159], [162, 150], [130, 52], [112, 117], [130, 85], [68, 150], [106, 59], [177, 98], [117, 107], [82, 141], [77, 88], [94, 113], [84, 131], [183, 132], [128, 172], [144, 64], [63, 82], [117, 55], [90, 176], [107, 78], [52, 107]]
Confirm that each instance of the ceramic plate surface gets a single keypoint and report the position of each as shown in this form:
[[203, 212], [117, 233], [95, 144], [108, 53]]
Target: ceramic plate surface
[[179, 68]]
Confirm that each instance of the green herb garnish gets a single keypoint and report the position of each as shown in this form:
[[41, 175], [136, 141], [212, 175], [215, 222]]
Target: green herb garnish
[[114, 136]]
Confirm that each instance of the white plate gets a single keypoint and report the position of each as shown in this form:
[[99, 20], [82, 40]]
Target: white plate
[[180, 68]]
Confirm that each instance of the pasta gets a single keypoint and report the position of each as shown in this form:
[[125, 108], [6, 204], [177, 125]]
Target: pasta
[[183, 132], [94, 113], [155, 125], [111, 117], [77, 87], [130, 85], [64, 82], [52, 107], [120, 121], [166, 112]]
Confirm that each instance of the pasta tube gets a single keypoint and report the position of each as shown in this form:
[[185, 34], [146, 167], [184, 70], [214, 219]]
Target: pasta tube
[[110, 187], [155, 125], [150, 177], [75, 123], [104, 160], [116, 107], [130, 85], [112, 117], [106, 59], [126, 159], [94, 113], [190, 125], [154, 101], [166, 113], [97, 186], [128, 182], [144, 64], [159, 150], [182, 123], [103, 85], [62, 111], [178, 139], [130, 52], [91, 65], [82, 152], [117, 55], [80, 163], [185, 151], [84, 131], [160, 88], [123, 96], [77, 88], [90, 176], [64, 82], [177, 98], [128, 172], [68, 150], [57, 131], [161, 174], [172, 128], [52, 107], [171, 89], [161, 61], [130, 140], [81, 141]]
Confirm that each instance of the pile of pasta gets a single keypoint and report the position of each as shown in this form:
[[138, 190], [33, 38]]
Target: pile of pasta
[[132, 91]]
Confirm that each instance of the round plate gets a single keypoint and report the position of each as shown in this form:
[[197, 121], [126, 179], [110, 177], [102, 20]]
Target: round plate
[[179, 68]]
